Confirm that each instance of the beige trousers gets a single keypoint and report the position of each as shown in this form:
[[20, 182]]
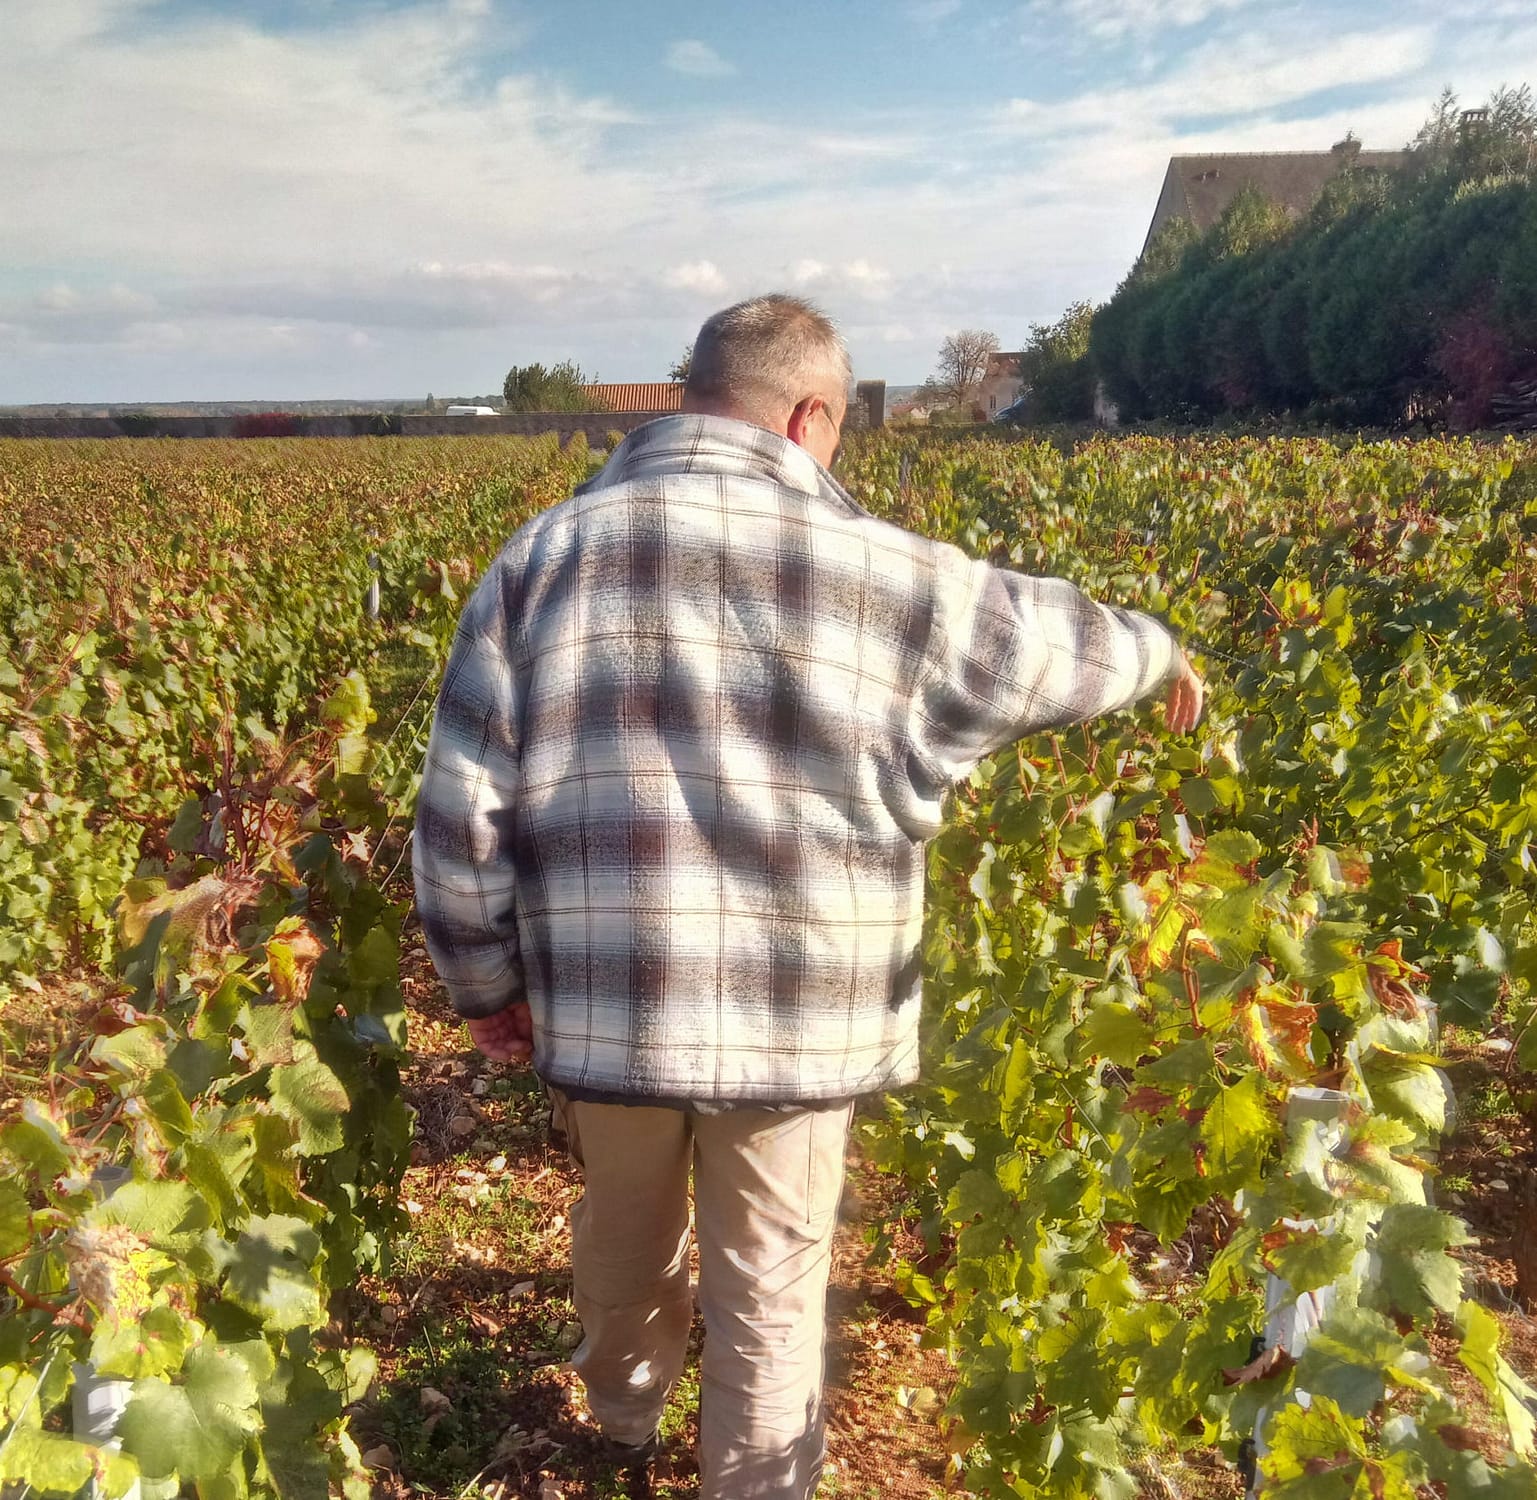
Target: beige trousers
[[766, 1192]]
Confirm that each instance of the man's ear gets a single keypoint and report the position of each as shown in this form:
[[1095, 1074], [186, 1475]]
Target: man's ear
[[802, 417]]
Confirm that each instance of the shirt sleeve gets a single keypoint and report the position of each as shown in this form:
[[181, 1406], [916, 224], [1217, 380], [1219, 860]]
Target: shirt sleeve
[[1009, 654], [462, 851]]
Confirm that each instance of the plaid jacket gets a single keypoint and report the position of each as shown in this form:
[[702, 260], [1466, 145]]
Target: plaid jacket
[[696, 727]]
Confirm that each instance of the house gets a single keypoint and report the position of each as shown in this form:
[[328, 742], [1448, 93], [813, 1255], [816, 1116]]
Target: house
[[1199, 188], [1002, 384], [657, 396]]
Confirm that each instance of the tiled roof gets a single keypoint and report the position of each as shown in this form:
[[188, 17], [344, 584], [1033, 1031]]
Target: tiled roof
[[1199, 188], [658, 396]]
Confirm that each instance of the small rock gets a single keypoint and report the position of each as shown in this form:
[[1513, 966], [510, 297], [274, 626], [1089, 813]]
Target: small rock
[[389, 1313], [570, 1335], [497, 1164], [379, 1458], [1496, 1044], [480, 1088], [432, 1400], [1499, 1185], [522, 1289], [462, 1126], [549, 1490]]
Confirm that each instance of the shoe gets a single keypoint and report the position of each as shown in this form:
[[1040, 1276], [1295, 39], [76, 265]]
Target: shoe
[[633, 1462], [633, 1453]]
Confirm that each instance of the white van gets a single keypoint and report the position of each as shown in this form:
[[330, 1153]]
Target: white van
[[470, 411]]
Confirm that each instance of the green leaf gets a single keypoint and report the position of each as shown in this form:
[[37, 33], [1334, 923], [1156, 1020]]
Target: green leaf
[[309, 1094], [15, 1221], [1074, 1371], [53, 1465], [1408, 1090], [1225, 860], [1238, 1126], [349, 709], [1350, 1358], [169, 1214], [975, 1194], [268, 1271], [269, 1034], [1316, 1442], [1063, 1185], [1183, 1065], [197, 1429], [1511, 1396], [155, 1344], [1115, 1031], [187, 825], [36, 1142], [375, 960], [1307, 1259], [1415, 1275]]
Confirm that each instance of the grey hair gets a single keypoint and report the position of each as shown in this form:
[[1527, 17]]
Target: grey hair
[[768, 354]]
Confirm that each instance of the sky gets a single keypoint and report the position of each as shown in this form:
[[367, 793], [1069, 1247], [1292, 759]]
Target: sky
[[299, 199]]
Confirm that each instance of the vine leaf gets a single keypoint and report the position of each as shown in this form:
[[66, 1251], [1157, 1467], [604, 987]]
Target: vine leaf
[[309, 1094], [197, 1429], [267, 1271], [1238, 1125]]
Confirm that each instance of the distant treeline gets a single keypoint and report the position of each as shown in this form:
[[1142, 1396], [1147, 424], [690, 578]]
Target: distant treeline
[[1399, 295]]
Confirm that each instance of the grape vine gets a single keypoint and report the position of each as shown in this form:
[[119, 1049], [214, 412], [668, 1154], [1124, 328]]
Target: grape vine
[[1148, 957]]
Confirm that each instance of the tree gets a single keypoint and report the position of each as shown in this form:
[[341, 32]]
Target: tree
[[678, 373], [559, 388], [1166, 250], [963, 361], [1497, 140], [1055, 367]]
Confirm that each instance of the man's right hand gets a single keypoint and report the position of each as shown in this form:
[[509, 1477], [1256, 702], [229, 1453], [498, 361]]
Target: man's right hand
[[1187, 694], [508, 1036]]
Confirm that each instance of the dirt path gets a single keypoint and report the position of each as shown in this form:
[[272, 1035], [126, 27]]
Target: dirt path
[[475, 1324]]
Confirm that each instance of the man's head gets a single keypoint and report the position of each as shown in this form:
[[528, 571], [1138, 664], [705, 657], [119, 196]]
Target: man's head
[[776, 362]]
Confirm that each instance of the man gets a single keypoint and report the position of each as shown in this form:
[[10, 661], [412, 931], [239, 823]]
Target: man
[[697, 726]]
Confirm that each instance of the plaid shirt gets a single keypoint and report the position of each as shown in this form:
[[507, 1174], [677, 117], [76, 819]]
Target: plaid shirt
[[696, 727]]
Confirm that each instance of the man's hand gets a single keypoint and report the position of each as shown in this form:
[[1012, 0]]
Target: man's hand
[[507, 1036], [1187, 694]]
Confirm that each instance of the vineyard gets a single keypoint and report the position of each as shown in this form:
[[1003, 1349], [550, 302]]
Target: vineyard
[[1187, 994]]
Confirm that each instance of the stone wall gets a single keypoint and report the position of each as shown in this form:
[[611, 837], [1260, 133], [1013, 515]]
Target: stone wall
[[596, 425]]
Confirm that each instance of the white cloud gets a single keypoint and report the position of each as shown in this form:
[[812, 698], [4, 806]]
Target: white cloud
[[696, 276], [855, 279], [1248, 77], [212, 207], [698, 60], [1113, 20]]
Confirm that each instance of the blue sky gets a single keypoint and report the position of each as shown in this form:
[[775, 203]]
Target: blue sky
[[363, 198]]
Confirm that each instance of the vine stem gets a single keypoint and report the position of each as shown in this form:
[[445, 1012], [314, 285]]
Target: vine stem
[[65, 665], [31, 1299], [1192, 987]]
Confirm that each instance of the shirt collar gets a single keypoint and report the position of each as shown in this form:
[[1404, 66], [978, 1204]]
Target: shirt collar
[[692, 443]]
